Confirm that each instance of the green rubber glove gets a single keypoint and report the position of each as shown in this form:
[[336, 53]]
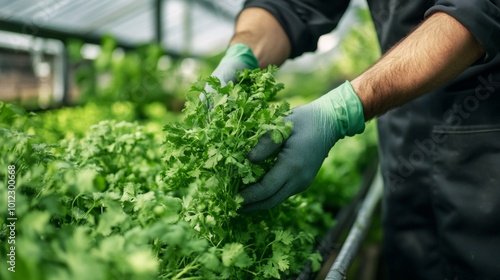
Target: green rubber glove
[[317, 126], [238, 57]]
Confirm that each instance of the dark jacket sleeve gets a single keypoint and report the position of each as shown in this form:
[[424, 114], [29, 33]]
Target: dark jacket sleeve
[[480, 17], [304, 21]]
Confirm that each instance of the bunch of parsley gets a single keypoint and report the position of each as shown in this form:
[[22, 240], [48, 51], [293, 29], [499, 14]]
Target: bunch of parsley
[[206, 155]]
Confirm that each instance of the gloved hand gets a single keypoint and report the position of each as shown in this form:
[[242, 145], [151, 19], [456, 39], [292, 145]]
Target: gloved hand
[[238, 57], [317, 126]]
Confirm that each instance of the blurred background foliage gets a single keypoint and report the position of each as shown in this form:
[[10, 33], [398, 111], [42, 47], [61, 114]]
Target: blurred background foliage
[[143, 76]]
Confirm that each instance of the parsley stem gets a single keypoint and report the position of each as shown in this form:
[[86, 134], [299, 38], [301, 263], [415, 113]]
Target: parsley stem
[[185, 270]]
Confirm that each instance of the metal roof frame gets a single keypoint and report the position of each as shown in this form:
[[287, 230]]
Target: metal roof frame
[[29, 25], [46, 19]]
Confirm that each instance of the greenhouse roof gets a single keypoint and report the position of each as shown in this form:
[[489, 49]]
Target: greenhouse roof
[[192, 27]]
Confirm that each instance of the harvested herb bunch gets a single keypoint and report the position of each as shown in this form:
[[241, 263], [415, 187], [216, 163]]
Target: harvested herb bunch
[[206, 155]]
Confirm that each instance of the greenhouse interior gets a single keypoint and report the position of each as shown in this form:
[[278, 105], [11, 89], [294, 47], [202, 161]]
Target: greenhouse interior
[[146, 140], [89, 90]]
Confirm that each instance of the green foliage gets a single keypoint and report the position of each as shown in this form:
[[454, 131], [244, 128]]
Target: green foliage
[[360, 48], [54, 125], [14, 117], [132, 76], [74, 122], [82, 211], [117, 202], [207, 153]]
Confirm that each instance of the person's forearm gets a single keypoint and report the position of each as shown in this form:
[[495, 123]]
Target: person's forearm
[[260, 30], [434, 53]]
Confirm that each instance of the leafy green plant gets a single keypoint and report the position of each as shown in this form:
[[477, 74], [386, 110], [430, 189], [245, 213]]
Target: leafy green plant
[[74, 122], [206, 154], [79, 210], [133, 76]]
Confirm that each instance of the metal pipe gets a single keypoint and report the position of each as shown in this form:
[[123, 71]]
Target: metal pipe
[[344, 220], [65, 75], [339, 269], [27, 28], [158, 20]]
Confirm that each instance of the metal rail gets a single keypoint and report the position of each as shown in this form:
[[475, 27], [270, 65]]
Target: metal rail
[[344, 220], [358, 232]]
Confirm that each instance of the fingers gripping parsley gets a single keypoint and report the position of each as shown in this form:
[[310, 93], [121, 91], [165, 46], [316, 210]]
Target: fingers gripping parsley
[[206, 155], [216, 141]]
